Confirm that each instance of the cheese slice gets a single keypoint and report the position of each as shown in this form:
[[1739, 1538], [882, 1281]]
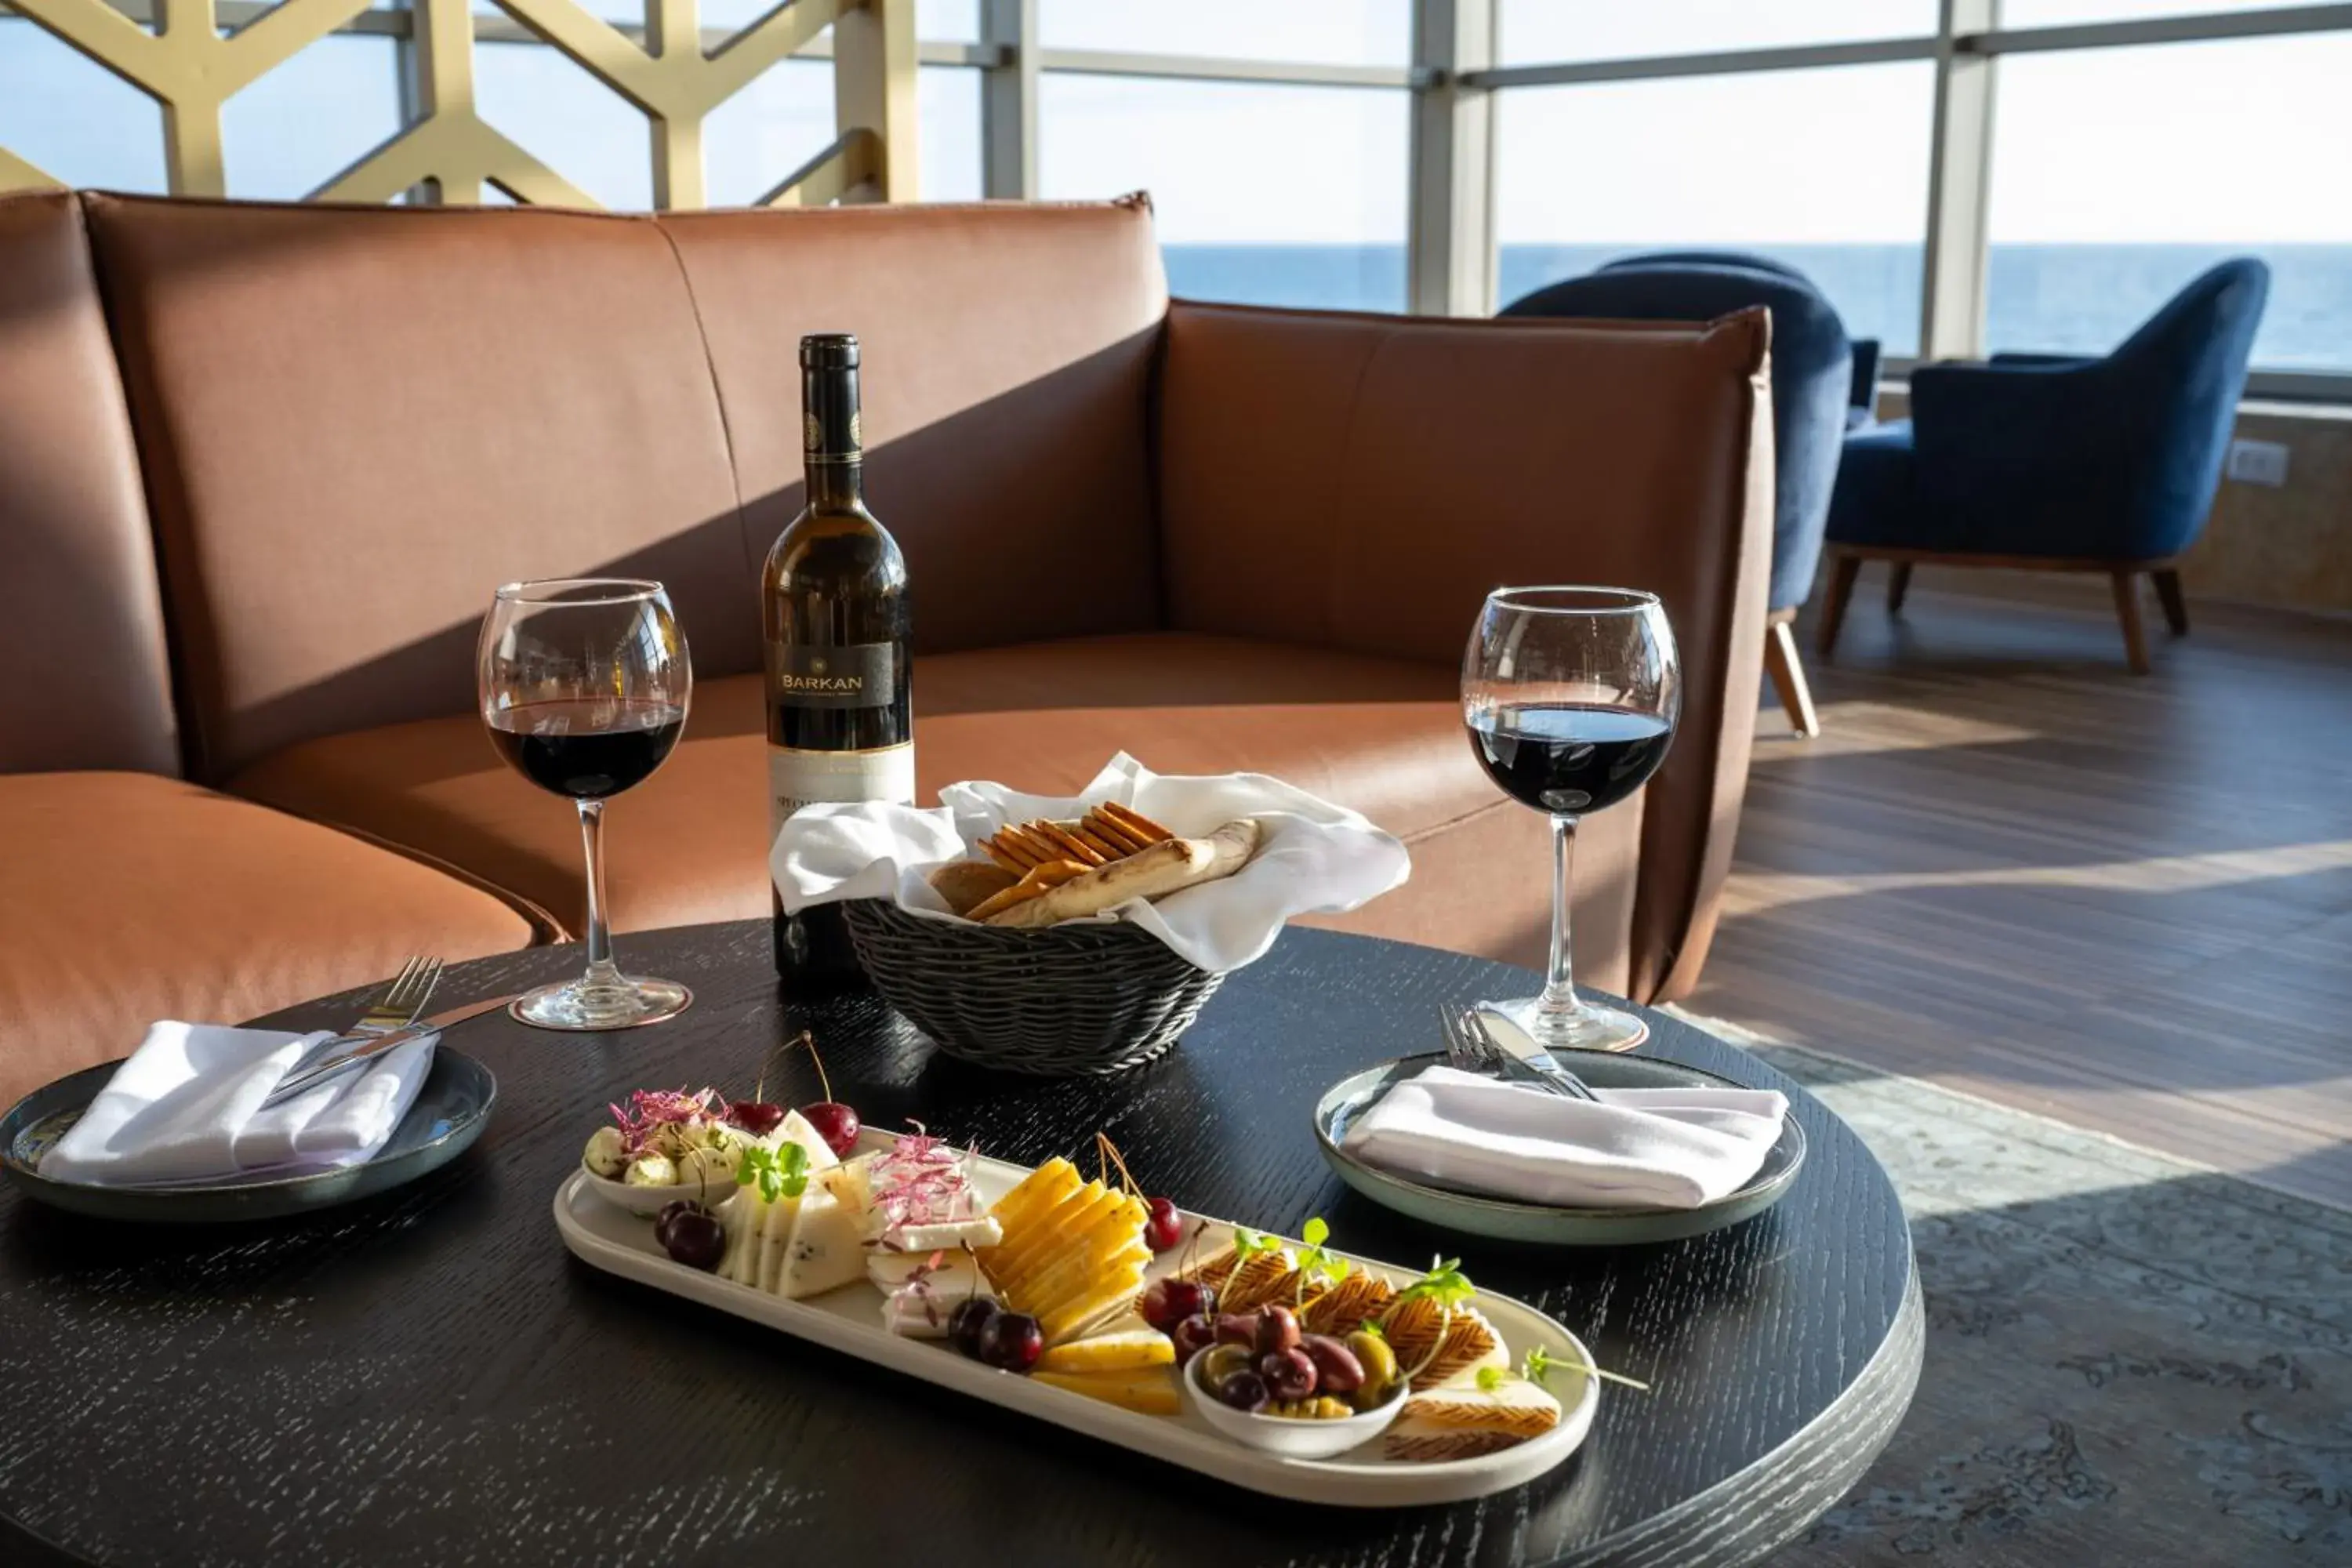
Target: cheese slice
[[1125, 1351], [1149, 1391], [795, 1129], [826, 1251], [921, 1307], [888, 1270], [776, 1223], [949, 1235]]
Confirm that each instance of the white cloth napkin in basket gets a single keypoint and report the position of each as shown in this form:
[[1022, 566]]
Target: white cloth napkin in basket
[[1635, 1148], [1315, 857], [184, 1107]]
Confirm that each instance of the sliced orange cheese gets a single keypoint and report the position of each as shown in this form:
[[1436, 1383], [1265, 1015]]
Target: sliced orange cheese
[[1127, 1350], [1038, 1192], [1149, 1391], [1080, 1313]]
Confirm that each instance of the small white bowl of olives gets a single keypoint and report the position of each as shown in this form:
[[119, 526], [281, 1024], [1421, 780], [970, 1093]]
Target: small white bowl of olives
[[1334, 1401], [693, 1160]]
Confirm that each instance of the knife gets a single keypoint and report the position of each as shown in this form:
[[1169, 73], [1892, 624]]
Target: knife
[[360, 1053]]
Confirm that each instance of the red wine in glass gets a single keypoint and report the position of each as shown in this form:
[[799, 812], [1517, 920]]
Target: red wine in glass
[[1567, 758], [587, 748]]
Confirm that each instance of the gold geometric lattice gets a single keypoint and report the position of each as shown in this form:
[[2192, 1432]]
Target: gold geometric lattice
[[191, 71]]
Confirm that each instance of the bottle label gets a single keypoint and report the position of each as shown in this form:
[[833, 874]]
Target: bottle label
[[798, 778], [859, 675]]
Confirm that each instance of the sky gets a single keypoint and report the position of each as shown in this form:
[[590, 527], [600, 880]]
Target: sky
[[2242, 142]]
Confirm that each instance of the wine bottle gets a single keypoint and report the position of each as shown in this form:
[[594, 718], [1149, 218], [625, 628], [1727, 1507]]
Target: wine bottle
[[835, 612]]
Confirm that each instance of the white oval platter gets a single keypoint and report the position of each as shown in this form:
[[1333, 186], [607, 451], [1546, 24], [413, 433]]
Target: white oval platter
[[850, 1320]]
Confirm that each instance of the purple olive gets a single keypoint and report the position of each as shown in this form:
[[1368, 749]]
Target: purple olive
[[1289, 1373], [1243, 1390], [1278, 1330], [1237, 1329], [1337, 1370]]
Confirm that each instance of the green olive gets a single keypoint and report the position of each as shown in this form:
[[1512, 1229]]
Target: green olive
[[1221, 1362], [1378, 1362]]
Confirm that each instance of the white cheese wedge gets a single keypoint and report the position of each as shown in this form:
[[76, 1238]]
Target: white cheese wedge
[[776, 1226], [888, 1270], [739, 1216], [920, 1308], [826, 1251], [794, 1127], [951, 1235]]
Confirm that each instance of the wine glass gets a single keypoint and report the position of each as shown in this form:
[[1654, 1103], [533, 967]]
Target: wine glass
[[585, 685], [1571, 696]]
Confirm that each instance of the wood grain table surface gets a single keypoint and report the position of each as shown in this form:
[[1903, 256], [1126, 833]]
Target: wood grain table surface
[[429, 1377]]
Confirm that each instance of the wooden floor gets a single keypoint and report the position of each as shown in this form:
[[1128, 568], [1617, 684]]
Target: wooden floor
[[2013, 867]]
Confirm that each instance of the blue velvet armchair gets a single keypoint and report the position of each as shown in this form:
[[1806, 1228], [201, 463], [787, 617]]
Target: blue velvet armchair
[[1861, 402], [1812, 373], [2045, 461]]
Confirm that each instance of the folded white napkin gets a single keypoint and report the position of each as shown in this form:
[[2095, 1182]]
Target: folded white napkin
[[1314, 858], [185, 1107], [1634, 1147]]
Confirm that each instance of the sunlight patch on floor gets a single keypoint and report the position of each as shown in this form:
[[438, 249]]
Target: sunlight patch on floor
[[1754, 892]]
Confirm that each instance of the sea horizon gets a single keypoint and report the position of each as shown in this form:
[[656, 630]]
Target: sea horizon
[[2068, 299]]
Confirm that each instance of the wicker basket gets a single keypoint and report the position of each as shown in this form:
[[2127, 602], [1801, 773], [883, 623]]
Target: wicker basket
[[1069, 1001]]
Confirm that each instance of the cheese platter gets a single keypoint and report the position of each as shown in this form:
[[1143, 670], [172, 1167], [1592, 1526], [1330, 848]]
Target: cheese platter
[[1326, 1378]]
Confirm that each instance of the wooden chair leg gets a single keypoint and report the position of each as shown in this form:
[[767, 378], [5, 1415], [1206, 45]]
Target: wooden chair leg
[[1841, 575], [2127, 613], [2167, 594], [1898, 583], [1788, 672]]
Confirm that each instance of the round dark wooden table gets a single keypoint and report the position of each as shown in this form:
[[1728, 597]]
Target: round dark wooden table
[[429, 1377]]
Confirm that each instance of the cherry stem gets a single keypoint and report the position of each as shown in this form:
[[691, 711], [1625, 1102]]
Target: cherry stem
[[1104, 1146], [823, 1082]]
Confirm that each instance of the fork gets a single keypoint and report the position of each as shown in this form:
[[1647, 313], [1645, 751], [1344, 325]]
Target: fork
[[402, 1003], [1471, 1048]]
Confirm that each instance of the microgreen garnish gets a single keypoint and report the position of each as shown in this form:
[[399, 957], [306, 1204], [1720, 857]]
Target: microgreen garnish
[[1247, 1242], [1537, 1366], [780, 1173], [1490, 1378], [1445, 1285], [1317, 1262]]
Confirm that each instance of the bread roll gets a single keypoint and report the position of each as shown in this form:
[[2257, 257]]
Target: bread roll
[[968, 884], [1168, 866]]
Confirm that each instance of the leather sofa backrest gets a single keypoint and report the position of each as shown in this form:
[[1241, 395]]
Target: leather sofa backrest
[[356, 422], [1008, 357], [81, 635], [1362, 482]]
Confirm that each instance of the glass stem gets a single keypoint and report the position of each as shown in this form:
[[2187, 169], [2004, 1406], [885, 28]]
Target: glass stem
[[1559, 986], [601, 971]]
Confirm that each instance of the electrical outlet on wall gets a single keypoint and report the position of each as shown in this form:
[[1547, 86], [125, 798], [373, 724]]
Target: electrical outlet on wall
[[2258, 462]]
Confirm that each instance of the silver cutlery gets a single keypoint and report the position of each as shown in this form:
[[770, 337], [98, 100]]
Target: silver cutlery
[[362, 1053], [402, 1003], [1470, 1047]]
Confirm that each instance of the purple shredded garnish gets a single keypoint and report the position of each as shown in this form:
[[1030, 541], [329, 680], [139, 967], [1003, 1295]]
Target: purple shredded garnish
[[651, 1109], [921, 1181]]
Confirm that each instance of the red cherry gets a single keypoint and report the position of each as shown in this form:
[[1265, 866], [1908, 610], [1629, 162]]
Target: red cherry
[[1193, 1335], [696, 1240], [836, 1123], [968, 1324], [1167, 1302], [1165, 1227], [756, 1117], [1012, 1341]]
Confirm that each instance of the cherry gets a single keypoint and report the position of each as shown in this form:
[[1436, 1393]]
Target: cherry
[[669, 1215], [1193, 1335], [696, 1240], [836, 1123], [1278, 1330], [1167, 1302], [1012, 1340], [756, 1117], [1290, 1374], [1164, 1229], [1243, 1390], [968, 1324]]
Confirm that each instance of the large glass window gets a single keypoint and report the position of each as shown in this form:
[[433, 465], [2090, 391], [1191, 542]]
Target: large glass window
[[1288, 196], [1322, 32], [1544, 31], [280, 139], [1825, 170], [2118, 175], [66, 114], [2068, 13]]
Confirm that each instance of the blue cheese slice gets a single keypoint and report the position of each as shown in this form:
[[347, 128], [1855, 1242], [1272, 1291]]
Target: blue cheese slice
[[826, 1251], [947, 1237]]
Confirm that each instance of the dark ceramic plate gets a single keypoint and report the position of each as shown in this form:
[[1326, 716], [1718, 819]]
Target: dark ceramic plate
[[1507, 1221], [450, 1113]]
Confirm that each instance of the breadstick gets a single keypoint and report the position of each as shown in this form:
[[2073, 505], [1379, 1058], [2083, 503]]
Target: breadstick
[[1014, 854], [1040, 881], [1127, 817], [1088, 834], [1062, 839], [1127, 838]]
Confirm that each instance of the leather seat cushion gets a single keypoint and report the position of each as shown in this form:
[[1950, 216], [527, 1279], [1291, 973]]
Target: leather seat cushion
[[125, 898], [1382, 735]]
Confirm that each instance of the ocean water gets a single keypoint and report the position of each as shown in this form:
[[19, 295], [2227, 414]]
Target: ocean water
[[2070, 298]]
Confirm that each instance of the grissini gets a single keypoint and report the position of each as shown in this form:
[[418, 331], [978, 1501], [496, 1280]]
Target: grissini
[[1168, 867], [1029, 889]]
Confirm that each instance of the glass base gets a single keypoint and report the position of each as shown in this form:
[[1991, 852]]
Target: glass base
[[581, 1006], [1580, 1028]]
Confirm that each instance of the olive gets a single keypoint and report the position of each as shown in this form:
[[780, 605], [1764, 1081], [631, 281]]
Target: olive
[[1222, 1363], [1278, 1330], [1289, 1372], [1245, 1390], [1337, 1370], [1237, 1329]]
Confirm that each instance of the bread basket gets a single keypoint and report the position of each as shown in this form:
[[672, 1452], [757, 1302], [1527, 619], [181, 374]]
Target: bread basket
[[1080, 1000]]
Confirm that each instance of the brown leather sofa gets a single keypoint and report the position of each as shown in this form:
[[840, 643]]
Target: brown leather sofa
[[260, 468]]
